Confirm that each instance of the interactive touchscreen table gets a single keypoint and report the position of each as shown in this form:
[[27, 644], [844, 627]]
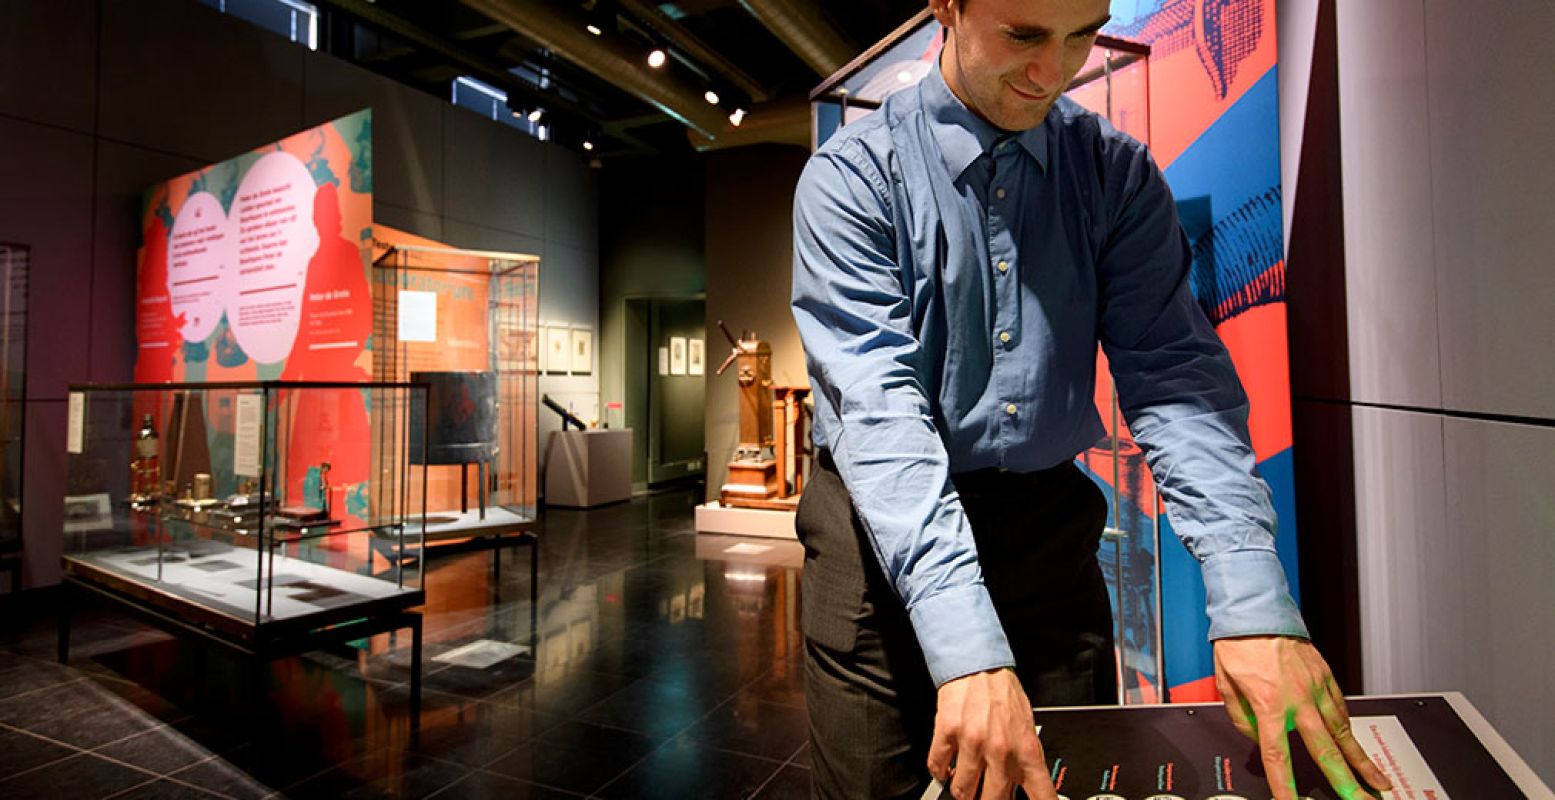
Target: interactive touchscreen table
[[1433, 747]]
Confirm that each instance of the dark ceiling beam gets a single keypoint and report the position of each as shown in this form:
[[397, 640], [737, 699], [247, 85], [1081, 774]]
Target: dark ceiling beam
[[476, 66], [606, 58], [683, 40], [800, 25]]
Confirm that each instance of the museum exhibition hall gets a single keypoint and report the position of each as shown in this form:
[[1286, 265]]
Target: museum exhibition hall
[[474, 459]]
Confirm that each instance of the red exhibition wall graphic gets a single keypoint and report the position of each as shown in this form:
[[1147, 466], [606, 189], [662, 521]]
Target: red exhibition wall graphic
[[258, 268]]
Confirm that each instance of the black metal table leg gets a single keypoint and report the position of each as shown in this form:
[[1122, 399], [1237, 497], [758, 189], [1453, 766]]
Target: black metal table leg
[[65, 610], [415, 674]]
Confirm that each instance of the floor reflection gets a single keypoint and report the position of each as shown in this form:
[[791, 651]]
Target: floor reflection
[[656, 662]]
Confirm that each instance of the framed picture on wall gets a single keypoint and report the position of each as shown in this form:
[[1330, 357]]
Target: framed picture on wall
[[696, 357], [558, 344], [582, 351], [664, 361], [677, 355]]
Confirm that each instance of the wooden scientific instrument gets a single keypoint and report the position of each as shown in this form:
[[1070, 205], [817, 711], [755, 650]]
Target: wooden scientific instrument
[[769, 416]]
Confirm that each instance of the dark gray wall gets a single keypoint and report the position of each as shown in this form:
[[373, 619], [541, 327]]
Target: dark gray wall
[[102, 98]]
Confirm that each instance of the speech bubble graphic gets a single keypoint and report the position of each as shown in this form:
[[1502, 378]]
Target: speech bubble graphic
[[201, 258], [273, 216]]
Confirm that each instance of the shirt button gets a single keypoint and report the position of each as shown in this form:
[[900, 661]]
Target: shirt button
[[1004, 266], [1010, 409], [1004, 336], [999, 193]]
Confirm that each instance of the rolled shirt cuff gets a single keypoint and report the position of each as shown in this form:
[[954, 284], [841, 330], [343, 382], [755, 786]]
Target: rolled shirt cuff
[[960, 634], [1248, 596]]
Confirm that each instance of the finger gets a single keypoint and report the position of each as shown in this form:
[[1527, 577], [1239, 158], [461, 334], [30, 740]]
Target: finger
[[1274, 749], [1336, 718], [1237, 707], [1326, 753], [969, 771], [1036, 779], [942, 753], [996, 781]]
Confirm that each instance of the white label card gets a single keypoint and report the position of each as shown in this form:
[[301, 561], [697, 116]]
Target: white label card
[[76, 430], [1389, 745], [246, 445], [418, 316]]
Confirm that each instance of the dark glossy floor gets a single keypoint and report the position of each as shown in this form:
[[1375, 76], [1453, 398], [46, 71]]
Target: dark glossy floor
[[666, 666]]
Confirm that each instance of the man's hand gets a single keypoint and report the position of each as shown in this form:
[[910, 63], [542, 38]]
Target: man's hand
[[984, 732], [1273, 684]]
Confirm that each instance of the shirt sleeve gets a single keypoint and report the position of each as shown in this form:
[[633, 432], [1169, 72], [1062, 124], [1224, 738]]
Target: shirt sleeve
[[1185, 405], [853, 314]]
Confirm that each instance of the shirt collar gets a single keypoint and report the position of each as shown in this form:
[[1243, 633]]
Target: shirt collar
[[962, 135]]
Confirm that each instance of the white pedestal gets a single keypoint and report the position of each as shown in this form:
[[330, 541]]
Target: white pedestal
[[715, 517], [588, 468]]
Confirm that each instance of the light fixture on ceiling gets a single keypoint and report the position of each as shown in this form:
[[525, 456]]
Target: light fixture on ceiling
[[588, 144], [536, 115], [656, 58], [711, 97], [594, 29], [737, 117]]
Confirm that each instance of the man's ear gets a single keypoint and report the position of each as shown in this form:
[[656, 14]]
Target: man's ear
[[945, 11]]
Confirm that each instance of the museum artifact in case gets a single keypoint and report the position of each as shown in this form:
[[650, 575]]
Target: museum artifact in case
[[465, 323], [255, 511]]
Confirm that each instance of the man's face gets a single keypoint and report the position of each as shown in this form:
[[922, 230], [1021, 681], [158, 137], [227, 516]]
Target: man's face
[[1009, 60]]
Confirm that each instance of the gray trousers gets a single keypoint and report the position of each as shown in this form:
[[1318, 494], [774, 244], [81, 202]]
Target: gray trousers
[[870, 698]]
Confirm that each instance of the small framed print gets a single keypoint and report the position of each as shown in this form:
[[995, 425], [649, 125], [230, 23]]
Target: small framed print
[[582, 351], [696, 357], [558, 344], [664, 361], [677, 355]]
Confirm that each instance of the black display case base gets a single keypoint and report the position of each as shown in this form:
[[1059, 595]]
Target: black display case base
[[260, 651]]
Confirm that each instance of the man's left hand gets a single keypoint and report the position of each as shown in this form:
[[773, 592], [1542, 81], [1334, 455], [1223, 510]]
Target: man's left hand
[[1275, 684]]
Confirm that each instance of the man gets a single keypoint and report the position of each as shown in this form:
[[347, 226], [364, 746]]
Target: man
[[959, 254]]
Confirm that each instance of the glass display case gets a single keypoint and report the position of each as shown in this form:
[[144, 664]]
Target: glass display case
[[13, 406], [254, 510], [1115, 83], [465, 323]]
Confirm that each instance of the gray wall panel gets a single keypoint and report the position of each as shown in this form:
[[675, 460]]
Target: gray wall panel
[[124, 172], [493, 175], [1416, 607], [43, 504], [48, 57], [46, 203], [1495, 567], [407, 129], [182, 78], [1494, 190], [571, 200], [418, 222], [1387, 207]]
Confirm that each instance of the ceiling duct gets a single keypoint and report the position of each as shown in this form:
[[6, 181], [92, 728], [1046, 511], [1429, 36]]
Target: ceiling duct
[[801, 26], [566, 37], [779, 122]]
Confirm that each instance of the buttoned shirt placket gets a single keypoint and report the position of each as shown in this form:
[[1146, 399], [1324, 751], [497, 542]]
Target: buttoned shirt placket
[[1002, 203]]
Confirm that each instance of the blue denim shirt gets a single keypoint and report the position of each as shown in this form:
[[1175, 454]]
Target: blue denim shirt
[[951, 283]]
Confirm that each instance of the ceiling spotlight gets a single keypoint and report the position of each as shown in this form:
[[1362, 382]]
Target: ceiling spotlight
[[594, 29], [711, 97], [588, 145], [656, 58], [737, 117], [535, 115]]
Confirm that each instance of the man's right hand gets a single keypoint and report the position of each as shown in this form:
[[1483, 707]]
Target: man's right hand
[[984, 735]]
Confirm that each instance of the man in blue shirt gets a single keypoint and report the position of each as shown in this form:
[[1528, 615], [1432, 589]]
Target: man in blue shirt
[[959, 254]]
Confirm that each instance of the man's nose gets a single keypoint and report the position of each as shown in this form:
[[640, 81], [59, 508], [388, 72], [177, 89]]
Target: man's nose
[[1045, 70]]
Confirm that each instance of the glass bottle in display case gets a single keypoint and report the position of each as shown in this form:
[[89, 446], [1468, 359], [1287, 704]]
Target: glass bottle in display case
[[261, 509], [464, 322]]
